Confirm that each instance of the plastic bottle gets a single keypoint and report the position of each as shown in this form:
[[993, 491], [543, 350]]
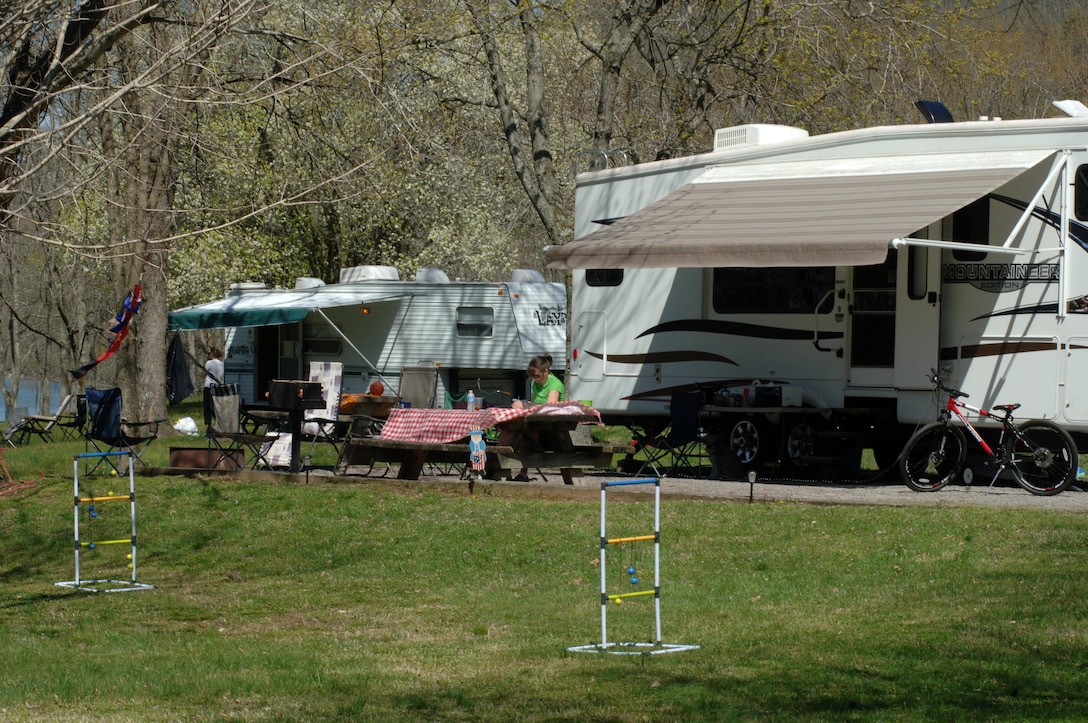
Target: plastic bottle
[[470, 401]]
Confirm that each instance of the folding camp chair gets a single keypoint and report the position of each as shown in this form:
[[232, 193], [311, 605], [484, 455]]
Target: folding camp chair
[[680, 442], [419, 385], [226, 436], [71, 425], [419, 388], [109, 431], [39, 424], [322, 425]]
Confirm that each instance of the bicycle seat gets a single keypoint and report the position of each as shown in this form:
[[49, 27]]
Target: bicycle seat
[[1006, 407]]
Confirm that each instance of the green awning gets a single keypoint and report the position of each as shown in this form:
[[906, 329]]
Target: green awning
[[266, 308]]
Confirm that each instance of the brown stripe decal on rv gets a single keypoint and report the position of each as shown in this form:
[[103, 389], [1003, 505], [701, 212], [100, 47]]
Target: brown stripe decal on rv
[[974, 351], [661, 357]]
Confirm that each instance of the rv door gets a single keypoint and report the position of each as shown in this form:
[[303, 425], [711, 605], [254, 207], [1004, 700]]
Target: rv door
[[590, 332], [918, 314]]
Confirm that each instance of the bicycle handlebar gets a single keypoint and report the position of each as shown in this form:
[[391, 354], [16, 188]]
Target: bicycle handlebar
[[935, 379]]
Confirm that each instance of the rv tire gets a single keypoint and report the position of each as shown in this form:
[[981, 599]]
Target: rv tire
[[751, 440]]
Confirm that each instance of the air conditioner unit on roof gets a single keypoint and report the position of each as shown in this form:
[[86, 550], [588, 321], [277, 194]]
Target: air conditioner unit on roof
[[755, 134]]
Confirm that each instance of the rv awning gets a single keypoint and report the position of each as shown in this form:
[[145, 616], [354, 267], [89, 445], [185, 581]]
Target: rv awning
[[263, 308], [833, 212]]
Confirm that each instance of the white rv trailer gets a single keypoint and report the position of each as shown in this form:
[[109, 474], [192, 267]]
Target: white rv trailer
[[809, 283], [478, 334]]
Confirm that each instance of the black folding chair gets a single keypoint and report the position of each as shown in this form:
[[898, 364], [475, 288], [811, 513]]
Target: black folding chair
[[681, 442], [72, 424], [226, 435], [109, 431]]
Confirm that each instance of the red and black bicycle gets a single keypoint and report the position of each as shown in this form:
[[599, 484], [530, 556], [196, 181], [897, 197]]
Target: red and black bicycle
[[1040, 455]]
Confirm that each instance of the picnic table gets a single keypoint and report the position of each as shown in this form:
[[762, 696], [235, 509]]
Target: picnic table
[[529, 439]]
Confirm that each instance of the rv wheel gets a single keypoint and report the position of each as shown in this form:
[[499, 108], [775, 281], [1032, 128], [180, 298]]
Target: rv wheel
[[749, 441], [801, 444]]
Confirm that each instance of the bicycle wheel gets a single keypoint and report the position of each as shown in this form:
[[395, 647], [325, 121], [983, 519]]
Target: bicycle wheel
[[932, 457], [1043, 457]]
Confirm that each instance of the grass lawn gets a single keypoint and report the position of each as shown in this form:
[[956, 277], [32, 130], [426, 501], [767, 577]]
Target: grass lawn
[[383, 601]]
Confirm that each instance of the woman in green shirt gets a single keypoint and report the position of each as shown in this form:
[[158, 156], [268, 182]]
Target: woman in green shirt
[[545, 388]]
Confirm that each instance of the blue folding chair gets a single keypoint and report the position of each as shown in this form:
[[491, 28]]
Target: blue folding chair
[[109, 431]]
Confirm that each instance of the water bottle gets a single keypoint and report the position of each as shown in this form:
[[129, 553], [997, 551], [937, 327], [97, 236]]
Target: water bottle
[[470, 401]]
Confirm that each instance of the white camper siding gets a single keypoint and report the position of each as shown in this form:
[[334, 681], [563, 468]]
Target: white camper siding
[[375, 327], [1075, 368], [1030, 376], [1002, 339], [525, 320], [626, 367]]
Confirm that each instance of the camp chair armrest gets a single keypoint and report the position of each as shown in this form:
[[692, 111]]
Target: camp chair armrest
[[151, 426]]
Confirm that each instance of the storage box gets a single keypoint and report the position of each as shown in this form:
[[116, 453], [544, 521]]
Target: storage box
[[760, 395], [791, 396], [293, 395], [204, 458], [766, 396]]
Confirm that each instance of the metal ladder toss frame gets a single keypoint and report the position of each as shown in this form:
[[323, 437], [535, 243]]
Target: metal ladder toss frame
[[105, 584], [656, 646]]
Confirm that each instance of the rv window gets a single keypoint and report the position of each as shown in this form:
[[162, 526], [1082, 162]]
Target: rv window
[[1080, 197], [772, 291], [475, 321], [971, 225], [604, 277]]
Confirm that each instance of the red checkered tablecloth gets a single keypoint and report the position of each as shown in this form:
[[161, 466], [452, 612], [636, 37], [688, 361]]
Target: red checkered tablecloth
[[435, 426]]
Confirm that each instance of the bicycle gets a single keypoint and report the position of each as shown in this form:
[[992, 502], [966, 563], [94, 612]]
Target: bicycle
[[1041, 456]]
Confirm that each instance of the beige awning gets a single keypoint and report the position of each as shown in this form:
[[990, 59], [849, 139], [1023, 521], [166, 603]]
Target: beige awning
[[838, 212]]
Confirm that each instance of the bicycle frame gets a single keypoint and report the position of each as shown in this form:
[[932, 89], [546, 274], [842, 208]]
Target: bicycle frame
[[953, 406]]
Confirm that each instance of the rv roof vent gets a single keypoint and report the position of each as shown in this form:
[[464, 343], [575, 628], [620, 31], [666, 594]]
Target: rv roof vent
[[432, 276], [527, 276], [369, 273], [244, 286], [755, 134], [308, 282]]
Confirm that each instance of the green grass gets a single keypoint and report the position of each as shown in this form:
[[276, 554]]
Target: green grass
[[384, 601]]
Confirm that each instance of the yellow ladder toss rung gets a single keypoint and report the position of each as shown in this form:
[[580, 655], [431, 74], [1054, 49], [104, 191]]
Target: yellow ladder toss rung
[[636, 538], [126, 541], [623, 595], [107, 498]]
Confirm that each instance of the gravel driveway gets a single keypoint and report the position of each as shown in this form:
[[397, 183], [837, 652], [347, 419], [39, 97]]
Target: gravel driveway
[[877, 492]]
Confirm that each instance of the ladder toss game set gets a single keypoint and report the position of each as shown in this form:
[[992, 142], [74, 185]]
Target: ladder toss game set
[[104, 584], [655, 646]]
